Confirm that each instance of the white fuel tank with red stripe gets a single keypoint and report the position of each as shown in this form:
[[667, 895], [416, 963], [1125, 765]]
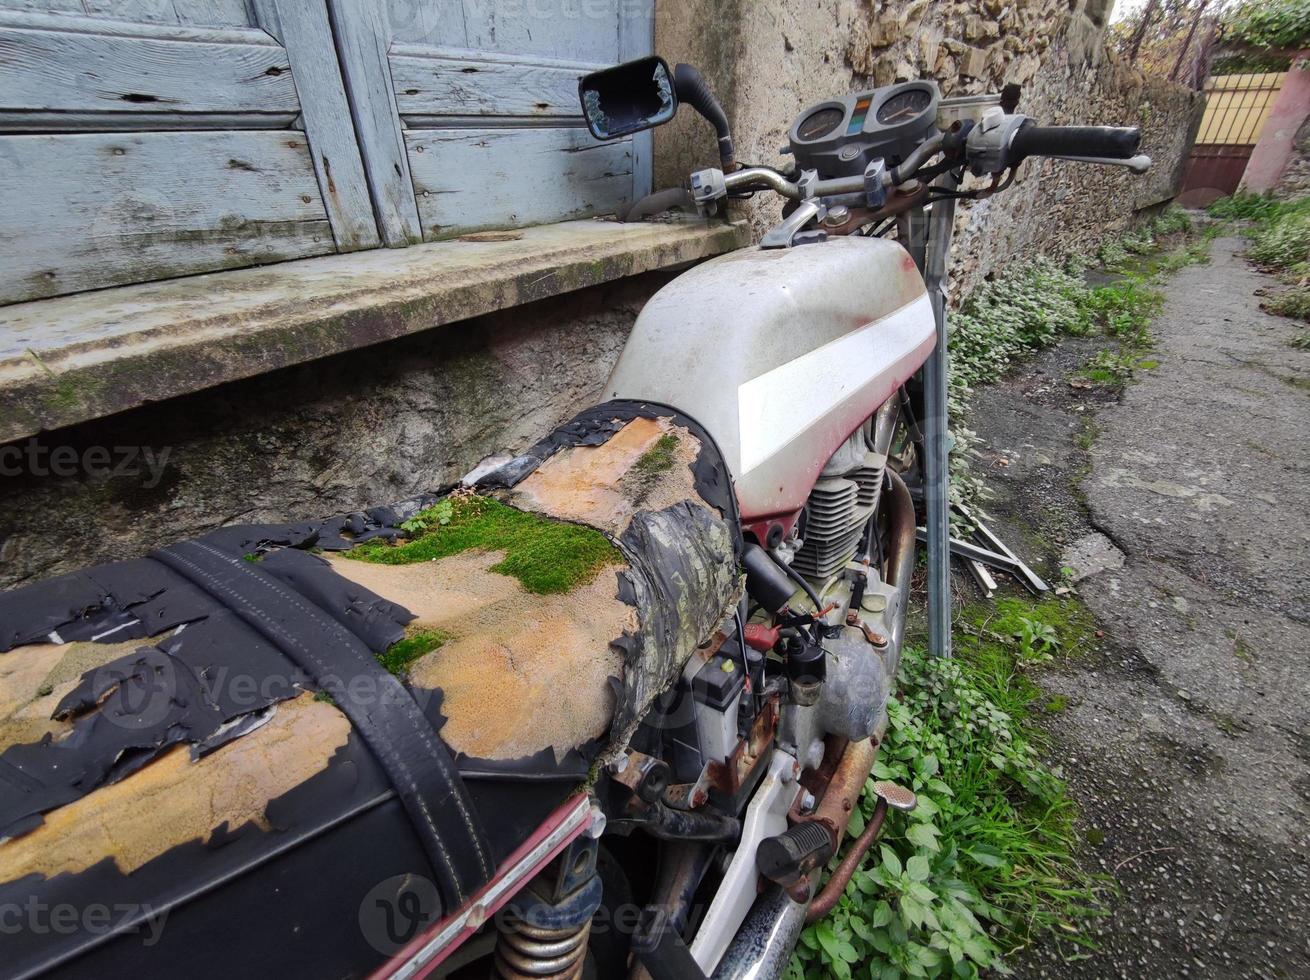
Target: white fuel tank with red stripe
[[781, 354]]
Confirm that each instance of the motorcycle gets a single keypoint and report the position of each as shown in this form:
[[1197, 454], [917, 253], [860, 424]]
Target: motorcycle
[[660, 805]]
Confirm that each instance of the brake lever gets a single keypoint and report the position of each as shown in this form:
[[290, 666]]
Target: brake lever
[[1138, 164]]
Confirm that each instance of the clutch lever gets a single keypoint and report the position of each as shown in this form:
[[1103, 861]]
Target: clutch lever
[[1138, 164]]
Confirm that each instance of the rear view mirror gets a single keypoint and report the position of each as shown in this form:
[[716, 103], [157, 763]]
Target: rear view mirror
[[628, 98]]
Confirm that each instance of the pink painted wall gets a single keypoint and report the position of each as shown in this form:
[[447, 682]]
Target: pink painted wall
[[1274, 150]]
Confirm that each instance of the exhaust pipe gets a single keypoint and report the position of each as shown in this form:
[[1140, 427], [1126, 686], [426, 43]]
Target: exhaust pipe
[[763, 945]]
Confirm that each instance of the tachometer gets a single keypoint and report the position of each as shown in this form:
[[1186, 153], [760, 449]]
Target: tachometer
[[904, 106], [820, 123]]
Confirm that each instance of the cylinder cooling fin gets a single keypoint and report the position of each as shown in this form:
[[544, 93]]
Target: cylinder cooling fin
[[836, 513]]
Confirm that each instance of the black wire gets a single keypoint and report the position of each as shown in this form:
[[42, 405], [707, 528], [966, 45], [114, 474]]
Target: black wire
[[880, 229], [756, 693], [799, 579]]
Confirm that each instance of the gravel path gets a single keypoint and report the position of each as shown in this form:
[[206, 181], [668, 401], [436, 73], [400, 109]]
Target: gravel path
[[1186, 739]]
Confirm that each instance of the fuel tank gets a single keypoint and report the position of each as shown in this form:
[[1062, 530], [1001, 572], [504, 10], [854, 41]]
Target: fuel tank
[[781, 354]]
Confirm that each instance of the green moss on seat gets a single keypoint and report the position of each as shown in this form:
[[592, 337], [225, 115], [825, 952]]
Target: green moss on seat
[[545, 555], [402, 653], [658, 457]]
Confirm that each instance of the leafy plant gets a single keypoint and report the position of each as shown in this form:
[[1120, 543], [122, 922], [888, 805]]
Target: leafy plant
[[1028, 308], [438, 515], [1293, 302], [1110, 367], [1283, 241], [1270, 23], [985, 861]]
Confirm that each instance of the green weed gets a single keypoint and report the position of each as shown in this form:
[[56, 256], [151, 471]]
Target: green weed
[[438, 515], [986, 861], [1110, 367], [1056, 704], [1293, 303], [1247, 207], [1280, 235]]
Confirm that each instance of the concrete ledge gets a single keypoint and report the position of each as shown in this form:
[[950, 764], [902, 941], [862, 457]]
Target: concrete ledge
[[74, 358]]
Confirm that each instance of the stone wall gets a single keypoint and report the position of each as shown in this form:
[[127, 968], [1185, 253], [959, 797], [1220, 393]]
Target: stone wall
[[769, 59], [1295, 181], [335, 435]]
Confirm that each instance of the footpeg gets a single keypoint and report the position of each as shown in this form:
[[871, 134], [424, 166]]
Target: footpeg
[[896, 797], [791, 855]]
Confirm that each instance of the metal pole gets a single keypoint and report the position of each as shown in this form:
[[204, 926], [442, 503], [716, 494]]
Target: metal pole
[[936, 428]]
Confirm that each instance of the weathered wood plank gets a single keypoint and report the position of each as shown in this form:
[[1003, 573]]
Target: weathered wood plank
[[146, 11], [574, 29], [118, 122], [337, 161], [362, 42], [426, 21], [637, 40], [486, 178], [38, 20], [42, 70], [213, 13], [586, 30], [73, 358], [117, 208], [69, 6], [438, 82]]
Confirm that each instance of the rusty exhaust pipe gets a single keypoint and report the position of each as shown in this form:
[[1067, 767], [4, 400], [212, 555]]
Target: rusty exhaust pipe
[[841, 877]]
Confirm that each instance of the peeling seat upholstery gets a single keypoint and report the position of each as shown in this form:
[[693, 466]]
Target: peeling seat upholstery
[[168, 754]]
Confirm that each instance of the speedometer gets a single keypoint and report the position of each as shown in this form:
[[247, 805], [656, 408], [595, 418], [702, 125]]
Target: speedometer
[[904, 106], [820, 123]]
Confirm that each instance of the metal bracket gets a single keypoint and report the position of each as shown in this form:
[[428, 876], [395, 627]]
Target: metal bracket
[[875, 186], [782, 234]]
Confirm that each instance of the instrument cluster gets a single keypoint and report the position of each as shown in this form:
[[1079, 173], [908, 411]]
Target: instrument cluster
[[839, 137]]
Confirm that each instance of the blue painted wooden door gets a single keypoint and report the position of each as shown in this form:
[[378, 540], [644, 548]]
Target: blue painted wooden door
[[146, 139], [468, 111]]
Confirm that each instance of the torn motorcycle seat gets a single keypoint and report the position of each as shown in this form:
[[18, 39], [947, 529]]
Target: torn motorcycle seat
[[272, 732]]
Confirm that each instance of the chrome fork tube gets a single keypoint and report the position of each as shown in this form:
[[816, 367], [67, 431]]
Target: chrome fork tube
[[936, 428]]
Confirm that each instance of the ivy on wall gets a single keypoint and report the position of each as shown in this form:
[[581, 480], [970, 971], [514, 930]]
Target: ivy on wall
[[1270, 23]]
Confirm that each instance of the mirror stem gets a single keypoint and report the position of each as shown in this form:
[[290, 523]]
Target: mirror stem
[[692, 89]]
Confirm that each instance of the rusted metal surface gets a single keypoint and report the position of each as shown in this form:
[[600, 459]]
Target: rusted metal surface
[[870, 634], [898, 203], [728, 777], [844, 788], [58, 355], [528, 952], [836, 884]]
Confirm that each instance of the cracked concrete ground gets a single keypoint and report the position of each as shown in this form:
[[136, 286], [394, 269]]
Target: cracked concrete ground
[[1186, 739]]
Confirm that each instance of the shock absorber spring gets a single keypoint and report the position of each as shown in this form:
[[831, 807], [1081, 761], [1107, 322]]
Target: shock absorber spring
[[529, 952], [542, 934]]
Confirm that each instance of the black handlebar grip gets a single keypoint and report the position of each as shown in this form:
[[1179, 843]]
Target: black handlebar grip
[[1116, 142]]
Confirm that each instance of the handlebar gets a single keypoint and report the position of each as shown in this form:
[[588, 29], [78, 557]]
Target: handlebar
[[999, 142], [757, 178], [1107, 142]]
